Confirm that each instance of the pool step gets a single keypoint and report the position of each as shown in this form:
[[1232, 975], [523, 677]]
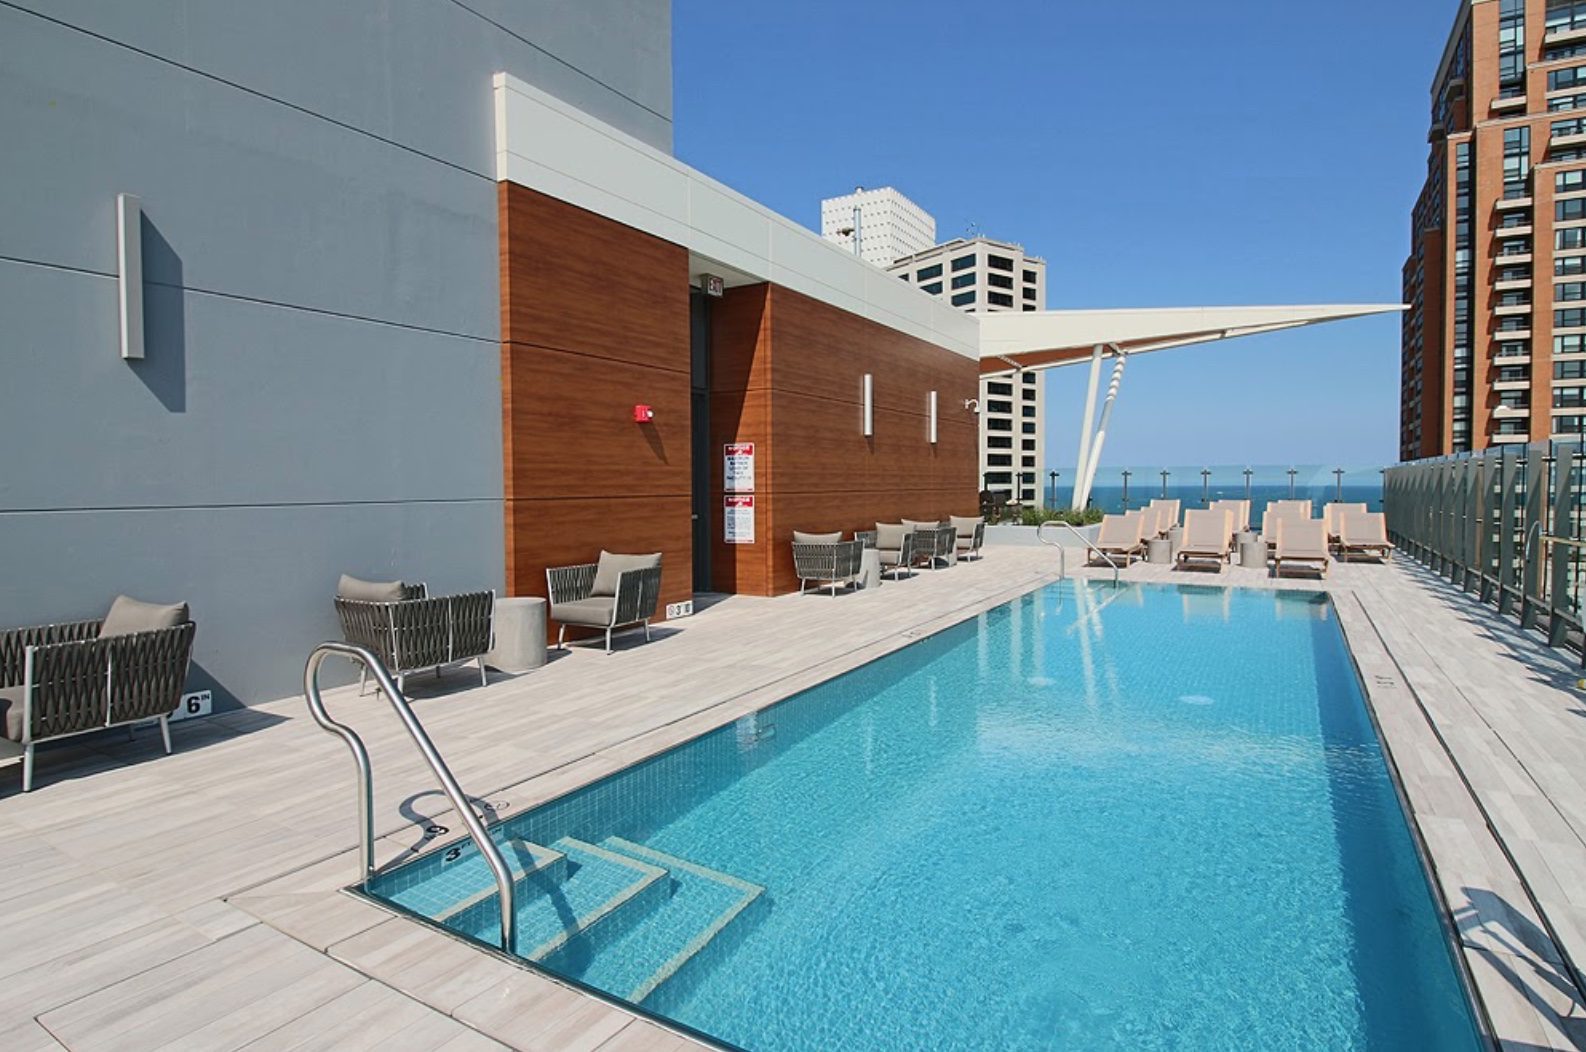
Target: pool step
[[701, 904], [580, 892]]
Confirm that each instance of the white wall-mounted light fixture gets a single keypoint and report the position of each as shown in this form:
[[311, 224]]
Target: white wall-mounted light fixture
[[129, 273], [931, 405], [867, 395]]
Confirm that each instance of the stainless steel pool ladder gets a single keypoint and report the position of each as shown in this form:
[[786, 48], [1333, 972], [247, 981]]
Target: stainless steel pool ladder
[[1062, 551], [454, 793]]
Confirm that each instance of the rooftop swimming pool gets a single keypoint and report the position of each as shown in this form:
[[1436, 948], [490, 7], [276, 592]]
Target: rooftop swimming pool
[[1152, 817]]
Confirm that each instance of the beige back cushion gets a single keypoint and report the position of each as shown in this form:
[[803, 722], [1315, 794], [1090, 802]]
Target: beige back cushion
[[610, 567], [128, 615], [889, 535], [920, 524], [964, 524], [368, 591], [800, 537]]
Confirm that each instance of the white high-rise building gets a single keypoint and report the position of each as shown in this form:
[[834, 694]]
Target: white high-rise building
[[889, 225], [979, 274]]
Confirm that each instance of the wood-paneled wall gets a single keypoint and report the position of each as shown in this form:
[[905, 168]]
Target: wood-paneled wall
[[594, 320], [786, 375]]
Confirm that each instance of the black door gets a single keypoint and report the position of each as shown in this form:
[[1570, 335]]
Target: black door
[[699, 341]]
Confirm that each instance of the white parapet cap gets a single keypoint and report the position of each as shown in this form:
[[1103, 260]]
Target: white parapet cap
[[1044, 339], [559, 150], [549, 146]]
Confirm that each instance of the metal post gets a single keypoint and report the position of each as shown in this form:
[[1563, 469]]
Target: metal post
[[856, 230], [1165, 474], [1248, 473], [1206, 480], [1126, 474], [1338, 473], [1051, 501], [1292, 473]]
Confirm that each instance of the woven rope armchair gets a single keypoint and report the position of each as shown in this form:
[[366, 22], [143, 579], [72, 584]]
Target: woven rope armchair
[[61, 680], [617, 592], [420, 631], [898, 555], [832, 563]]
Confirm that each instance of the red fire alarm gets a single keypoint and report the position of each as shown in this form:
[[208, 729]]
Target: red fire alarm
[[643, 414]]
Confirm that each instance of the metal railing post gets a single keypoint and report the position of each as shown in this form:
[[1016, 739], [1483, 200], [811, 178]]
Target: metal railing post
[[454, 793]]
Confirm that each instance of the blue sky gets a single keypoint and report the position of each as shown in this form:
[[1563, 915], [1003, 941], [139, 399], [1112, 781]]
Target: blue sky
[[1155, 153]]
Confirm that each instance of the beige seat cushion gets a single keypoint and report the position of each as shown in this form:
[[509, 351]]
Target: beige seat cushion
[[800, 537], [610, 567], [129, 615], [964, 524], [595, 611], [11, 712], [889, 558]]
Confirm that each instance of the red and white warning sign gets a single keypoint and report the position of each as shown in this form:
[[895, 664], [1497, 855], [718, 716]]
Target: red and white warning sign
[[738, 511], [738, 467]]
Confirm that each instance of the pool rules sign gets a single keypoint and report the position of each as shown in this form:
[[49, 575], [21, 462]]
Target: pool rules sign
[[738, 501], [738, 467], [739, 515]]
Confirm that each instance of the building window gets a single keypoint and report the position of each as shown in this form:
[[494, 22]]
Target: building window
[[1574, 369], [996, 388], [1512, 373], [1569, 292], [1030, 276], [1511, 323], [999, 299], [1573, 318], [1561, 51], [1569, 182], [1027, 444], [963, 262], [1574, 343], [927, 273], [996, 262], [1029, 293], [1027, 428], [999, 441], [1512, 349], [961, 280], [1522, 399], [1566, 102], [1563, 15], [1517, 298], [963, 299], [1574, 237], [1573, 126], [1002, 281], [1560, 79], [999, 460], [999, 425], [1029, 410], [1571, 209], [995, 406], [1563, 398], [1003, 477], [1516, 163], [1511, 44], [1029, 377], [933, 288], [1568, 424], [1514, 220]]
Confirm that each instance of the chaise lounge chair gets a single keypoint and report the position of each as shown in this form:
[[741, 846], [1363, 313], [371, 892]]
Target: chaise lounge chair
[[1333, 514], [1166, 511], [826, 559], [1208, 537], [61, 680], [1302, 541], [411, 631], [1122, 535], [615, 592], [1364, 533], [1239, 509]]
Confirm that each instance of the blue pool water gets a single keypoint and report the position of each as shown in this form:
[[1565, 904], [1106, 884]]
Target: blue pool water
[[1151, 818]]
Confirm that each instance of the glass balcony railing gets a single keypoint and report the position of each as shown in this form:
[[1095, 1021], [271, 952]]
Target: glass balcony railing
[[1507, 524]]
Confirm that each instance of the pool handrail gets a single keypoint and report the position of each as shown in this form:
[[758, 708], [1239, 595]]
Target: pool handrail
[[454, 793], [1062, 551]]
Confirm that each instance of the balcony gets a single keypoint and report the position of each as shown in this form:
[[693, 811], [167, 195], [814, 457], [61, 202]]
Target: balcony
[[1512, 310], [1513, 259], [1517, 231], [1512, 285], [1564, 34], [1511, 385], [1511, 412], [1510, 440], [1509, 204], [1559, 142], [1513, 103], [1512, 334]]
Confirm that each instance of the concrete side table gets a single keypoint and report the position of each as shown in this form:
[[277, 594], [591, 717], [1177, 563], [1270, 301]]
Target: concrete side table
[[1175, 538], [1159, 550], [520, 634], [870, 569], [1244, 537], [1253, 554]]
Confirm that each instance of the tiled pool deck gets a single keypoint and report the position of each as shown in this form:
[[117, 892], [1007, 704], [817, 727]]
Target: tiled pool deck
[[194, 899]]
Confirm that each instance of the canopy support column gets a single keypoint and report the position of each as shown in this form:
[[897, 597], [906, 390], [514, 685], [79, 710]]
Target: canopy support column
[[1085, 426], [1082, 494]]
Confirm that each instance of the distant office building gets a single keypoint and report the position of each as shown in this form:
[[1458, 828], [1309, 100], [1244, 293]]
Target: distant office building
[[1494, 343], [979, 274], [889, 225]]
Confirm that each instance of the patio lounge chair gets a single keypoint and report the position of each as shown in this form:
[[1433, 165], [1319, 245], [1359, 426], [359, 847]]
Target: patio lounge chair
[[1122, 535], [1333, 514], [615, 592], [933, 542], [1239, 509], [1364, 533], [826, 559], [410, 630], [1208, 536], [61, 680], [1166, 512], [971, 535], [1303, 541], [1279, 512], [894, 542]]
